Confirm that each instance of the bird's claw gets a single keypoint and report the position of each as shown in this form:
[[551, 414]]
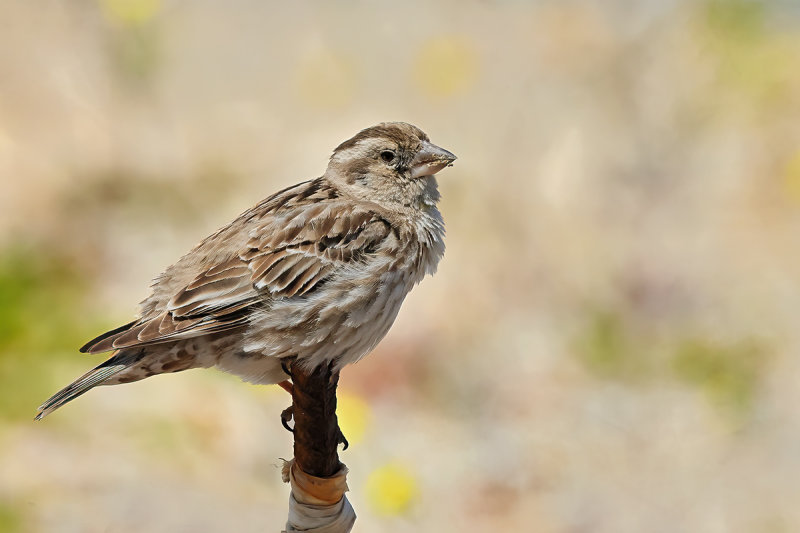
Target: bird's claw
[[285, 367], [343, 440], [286, 417]]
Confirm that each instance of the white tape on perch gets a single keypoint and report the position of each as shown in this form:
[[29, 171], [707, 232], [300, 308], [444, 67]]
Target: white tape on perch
[[316, 504]]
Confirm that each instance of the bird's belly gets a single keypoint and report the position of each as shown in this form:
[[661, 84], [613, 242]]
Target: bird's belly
[[252, 367], [341, 324]]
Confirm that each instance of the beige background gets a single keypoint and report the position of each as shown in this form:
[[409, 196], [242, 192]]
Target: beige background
[[610, 345]]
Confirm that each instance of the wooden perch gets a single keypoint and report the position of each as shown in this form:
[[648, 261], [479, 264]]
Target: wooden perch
[[316, 428], [317, 478]]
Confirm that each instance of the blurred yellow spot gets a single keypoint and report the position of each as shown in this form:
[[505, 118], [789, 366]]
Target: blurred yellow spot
[[391, 489], [130, 11], [445, 66], [353, 414], [326, 80], [792, 178]]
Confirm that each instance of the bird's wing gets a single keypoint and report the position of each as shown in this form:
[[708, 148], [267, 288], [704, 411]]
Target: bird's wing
[[290, 254]]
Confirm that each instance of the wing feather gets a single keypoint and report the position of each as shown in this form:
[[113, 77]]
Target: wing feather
[[290, 253]]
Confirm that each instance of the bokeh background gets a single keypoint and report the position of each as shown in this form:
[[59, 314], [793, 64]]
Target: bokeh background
[[611, 343]]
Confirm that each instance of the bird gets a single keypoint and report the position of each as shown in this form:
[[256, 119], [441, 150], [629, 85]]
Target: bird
[[314, 274]]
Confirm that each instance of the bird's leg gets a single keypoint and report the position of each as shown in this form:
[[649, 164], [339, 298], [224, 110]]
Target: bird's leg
[[287, 368], [288, 413]]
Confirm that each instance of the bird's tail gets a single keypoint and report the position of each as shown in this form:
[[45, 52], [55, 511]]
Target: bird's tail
[[97, 376]]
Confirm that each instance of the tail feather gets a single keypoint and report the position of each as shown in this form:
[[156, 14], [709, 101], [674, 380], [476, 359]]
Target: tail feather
[[91, 345], [96, 376]]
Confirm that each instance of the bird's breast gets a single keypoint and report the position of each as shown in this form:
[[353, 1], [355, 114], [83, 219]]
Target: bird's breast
[[346, 317]]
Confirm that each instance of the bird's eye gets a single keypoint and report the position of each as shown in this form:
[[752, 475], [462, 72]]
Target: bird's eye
[[387, 156]]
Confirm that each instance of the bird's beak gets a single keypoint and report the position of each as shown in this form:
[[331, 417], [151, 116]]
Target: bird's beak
[[429, 160]]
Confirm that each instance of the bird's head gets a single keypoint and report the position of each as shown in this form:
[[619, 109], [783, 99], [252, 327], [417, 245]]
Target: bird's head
[[392, 162]]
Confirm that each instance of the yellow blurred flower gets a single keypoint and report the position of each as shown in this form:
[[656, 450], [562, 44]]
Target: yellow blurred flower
[[445, 66], [353, 414], [130, 11], [391, 489], [792, 178]]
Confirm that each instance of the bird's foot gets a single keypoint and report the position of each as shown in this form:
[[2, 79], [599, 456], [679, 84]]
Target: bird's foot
[[286, 366], [286, 417]]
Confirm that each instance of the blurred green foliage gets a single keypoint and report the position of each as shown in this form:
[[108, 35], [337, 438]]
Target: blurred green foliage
[[756, 61], [728, 375], [134, 38], [736, 20], [607, 349], [10, 519], [136, 52], [41, 319]]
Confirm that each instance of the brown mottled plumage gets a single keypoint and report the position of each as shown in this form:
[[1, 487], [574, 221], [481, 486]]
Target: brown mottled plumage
[[315, 272]]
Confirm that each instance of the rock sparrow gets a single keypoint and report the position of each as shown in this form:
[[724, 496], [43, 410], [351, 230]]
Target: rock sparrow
[[316, 272]]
